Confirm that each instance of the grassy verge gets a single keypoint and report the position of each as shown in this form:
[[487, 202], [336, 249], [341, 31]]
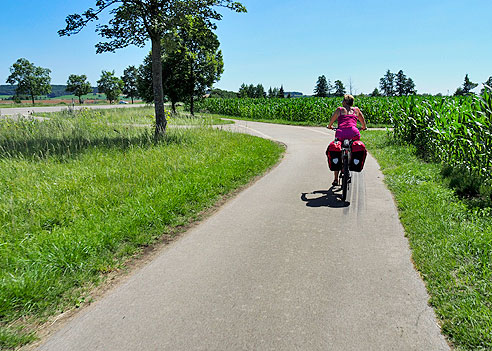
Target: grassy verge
[[78, 198], [451, 242], [143, 115]]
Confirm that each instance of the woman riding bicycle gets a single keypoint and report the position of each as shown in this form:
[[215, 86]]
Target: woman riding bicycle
[[347, 117]]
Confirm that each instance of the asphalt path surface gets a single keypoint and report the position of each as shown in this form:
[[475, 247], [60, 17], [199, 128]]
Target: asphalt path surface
[[285, 265]]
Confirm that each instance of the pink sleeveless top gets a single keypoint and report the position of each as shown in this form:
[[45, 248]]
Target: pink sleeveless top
[[347, 127], [346, 121]]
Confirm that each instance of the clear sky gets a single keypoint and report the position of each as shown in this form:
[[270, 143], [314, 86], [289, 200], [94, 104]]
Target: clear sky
[[289, 42]]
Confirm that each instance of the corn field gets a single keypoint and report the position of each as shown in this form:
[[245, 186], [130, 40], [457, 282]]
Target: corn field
[[454, 130], [309, 110]]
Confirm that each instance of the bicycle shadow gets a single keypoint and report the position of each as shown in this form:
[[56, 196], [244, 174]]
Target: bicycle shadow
[[328, 198]]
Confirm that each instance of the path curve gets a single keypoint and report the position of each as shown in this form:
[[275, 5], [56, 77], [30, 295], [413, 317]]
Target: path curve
[[282, 266]]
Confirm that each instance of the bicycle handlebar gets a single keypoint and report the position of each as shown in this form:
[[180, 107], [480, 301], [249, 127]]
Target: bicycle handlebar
[[335, 129]]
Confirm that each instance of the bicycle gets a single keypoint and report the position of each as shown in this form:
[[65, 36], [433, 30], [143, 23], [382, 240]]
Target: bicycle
[[346, 158], [345, 172]]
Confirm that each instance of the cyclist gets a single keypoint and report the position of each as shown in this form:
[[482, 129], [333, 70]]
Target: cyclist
[[347, 117]]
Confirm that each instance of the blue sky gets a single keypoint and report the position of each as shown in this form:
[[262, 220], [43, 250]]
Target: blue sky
[[287, 42]]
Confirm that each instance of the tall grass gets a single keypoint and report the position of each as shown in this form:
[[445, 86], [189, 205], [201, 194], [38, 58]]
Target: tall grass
[[78, 197], [142, 115], [456, 132]]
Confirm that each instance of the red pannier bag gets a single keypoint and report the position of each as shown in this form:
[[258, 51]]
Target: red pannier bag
[[334, 154], [359, 154]]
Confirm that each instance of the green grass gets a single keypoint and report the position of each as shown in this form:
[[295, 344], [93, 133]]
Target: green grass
[[78, 198], [451, 243], [143, 115]]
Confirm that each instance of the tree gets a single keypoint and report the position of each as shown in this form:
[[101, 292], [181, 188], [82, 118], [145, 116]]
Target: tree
[[243, 91], [259, 91], [488, 84], [129, 79], [400, 83], [191, 63], [387, 84], [410, 87], [199, 60], [222, 94], [30, 80], [174, 75], [339, 88], [78, 85], [110, 85], [275, 92], [172, 83], [251, 91], [144, 80], [468, 86], [281, 93], [322, 87], [375, 93], [270, 93], [134, 22]]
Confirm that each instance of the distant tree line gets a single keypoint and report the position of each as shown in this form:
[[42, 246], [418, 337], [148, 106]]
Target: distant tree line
[[191, 63], [251, 91], [258, 91], [324, 88], [392, 84]]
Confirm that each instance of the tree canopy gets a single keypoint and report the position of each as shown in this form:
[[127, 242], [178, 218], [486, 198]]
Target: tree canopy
[[134, 22], [78, 85], [199, 61], [339, 88], [191, 63], [387, 84], [110, 85], [322, 88], [129, 79], [251, 91], [466, 88], [392, 84], [31, 80]]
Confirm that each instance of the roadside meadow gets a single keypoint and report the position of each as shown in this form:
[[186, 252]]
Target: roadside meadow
[[83, 193]]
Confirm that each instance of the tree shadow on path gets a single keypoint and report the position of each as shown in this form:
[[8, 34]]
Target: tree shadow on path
[[324, 198]]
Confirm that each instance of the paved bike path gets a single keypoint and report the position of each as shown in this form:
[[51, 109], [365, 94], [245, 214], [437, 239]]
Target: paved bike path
[[282, 266]]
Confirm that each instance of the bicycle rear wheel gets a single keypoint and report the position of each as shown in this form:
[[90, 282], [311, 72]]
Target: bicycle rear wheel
[[345, 178]]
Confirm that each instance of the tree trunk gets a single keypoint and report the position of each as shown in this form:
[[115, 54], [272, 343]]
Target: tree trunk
[[32, 98], [80, 100], [160, 118], [173, 106], [192, 90], [132, 100]]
